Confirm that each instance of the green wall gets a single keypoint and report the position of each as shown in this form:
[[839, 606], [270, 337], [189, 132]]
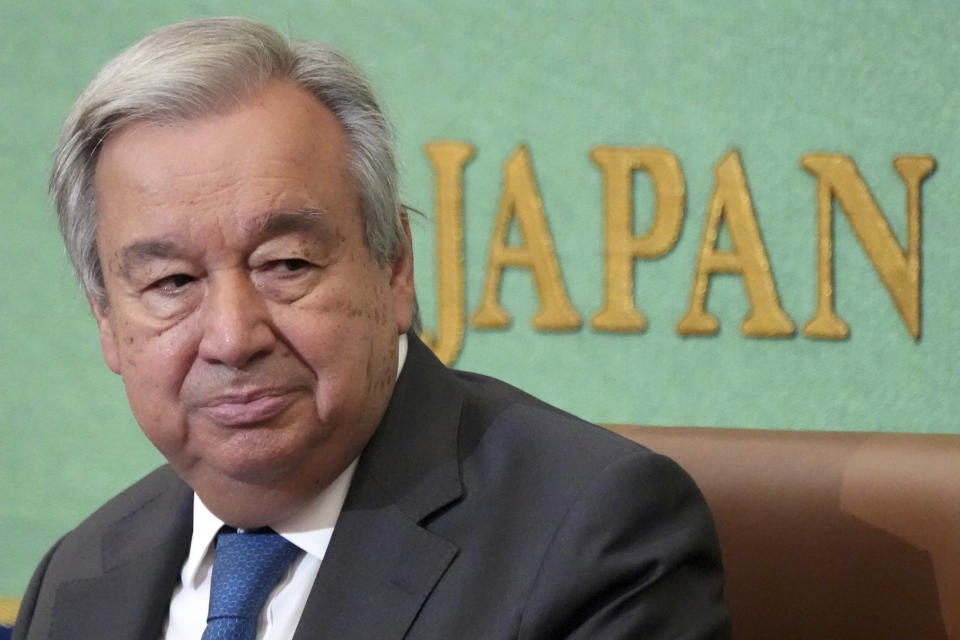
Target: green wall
[[776, 80]]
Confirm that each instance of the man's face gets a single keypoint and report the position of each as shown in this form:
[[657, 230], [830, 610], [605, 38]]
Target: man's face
[[256, 336]]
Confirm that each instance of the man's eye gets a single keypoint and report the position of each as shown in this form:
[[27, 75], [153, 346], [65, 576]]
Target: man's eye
[[291, 264], [285, 279], [173, 283]]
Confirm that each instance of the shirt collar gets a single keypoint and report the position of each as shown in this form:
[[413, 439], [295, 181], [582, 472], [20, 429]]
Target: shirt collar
[[310, 527]]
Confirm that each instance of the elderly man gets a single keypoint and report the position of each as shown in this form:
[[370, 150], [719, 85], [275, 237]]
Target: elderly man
[[229, 200]]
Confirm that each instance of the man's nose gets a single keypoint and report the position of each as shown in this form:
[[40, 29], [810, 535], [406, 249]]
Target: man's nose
[[237, 327]]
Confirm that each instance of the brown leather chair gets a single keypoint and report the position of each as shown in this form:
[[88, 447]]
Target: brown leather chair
[[829, 535]]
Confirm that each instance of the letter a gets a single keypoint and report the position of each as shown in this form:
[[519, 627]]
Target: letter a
[[730, 201], [521, 199]]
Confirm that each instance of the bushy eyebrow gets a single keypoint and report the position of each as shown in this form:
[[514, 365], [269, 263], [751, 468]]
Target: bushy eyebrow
[[136, 255], [307, 220], [303, 220]]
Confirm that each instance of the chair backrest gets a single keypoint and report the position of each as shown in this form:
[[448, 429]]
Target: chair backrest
[[829, 535]]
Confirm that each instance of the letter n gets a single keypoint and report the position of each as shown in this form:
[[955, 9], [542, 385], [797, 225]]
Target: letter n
[[899, 269]]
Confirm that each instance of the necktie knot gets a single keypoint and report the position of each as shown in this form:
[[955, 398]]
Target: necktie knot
[[246, 568]]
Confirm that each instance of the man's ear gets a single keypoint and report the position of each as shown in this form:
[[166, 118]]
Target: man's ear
[[401, 283], [108, 339]]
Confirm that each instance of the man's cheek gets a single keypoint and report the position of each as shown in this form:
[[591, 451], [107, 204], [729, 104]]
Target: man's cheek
[[157, 415]]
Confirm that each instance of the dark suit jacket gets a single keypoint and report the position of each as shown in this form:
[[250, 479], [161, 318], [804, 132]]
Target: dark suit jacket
[[476, 511]]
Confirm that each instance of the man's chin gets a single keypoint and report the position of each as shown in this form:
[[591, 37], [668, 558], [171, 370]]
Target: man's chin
[[249, 496], [256, 454]]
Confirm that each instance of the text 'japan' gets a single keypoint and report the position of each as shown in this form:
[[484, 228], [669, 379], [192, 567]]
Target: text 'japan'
[[729, 205]]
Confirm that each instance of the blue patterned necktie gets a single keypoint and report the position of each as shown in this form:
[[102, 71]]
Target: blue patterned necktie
[[246, 568]]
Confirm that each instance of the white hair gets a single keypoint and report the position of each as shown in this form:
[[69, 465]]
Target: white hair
[[191, 69]]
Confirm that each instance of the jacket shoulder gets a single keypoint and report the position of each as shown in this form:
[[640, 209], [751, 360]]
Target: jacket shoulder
[[141, 518], [162, 488], [534, 427], [160, 495]]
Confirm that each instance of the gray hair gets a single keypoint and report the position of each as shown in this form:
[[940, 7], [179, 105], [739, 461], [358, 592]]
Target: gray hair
[[191, 69]]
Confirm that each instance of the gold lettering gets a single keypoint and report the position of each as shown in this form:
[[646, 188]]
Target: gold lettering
[[731, 201], [8, 610], [899, 270], [621, 247], [521, 199], [448, 159]]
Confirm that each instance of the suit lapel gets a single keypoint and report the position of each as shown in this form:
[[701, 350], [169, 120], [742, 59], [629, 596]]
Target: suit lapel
[[141, 557], [381, 564]]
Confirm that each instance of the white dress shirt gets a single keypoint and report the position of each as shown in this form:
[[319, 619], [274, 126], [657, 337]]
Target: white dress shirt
[[310, 528]]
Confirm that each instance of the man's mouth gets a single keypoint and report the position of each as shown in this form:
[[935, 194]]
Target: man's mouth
[[248, 408]]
